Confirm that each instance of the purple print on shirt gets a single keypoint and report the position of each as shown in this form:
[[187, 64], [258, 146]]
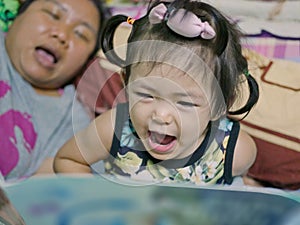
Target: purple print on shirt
[[16, 129]]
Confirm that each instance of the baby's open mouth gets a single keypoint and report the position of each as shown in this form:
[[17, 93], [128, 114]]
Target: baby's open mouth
[[161, 139]]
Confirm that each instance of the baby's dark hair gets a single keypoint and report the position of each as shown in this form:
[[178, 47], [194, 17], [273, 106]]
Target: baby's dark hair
[[103, 13], [221, 53]]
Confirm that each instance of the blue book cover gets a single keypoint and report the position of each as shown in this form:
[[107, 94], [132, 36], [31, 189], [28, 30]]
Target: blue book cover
[[75, 200]]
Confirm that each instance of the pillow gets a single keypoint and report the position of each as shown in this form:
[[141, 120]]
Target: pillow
[[8, 12]]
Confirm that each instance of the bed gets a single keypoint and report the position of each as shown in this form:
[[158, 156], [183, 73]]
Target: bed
[[272, 47]]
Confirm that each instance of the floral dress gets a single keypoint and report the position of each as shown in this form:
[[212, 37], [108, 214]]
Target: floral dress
[[211, 163]]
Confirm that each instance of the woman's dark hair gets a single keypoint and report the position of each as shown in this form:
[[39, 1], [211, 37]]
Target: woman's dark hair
[[103, 14], [223, 53]]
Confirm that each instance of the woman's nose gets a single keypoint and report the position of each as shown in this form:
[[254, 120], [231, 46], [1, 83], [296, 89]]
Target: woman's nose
[[61, 34]]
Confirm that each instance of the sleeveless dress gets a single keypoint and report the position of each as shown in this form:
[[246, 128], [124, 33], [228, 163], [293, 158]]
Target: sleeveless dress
[[211, 163]]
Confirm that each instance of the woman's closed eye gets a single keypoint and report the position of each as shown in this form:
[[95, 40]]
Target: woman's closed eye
[[53, 15], [82, 35]]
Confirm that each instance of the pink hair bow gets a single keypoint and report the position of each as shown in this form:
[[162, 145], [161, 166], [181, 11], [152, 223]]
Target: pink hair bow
[[182, 22]]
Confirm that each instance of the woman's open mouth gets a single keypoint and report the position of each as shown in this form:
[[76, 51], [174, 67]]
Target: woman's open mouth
[[47, 57], [161, 142]]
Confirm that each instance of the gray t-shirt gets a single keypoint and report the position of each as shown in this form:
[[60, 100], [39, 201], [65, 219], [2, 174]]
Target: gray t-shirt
[[32, 127]]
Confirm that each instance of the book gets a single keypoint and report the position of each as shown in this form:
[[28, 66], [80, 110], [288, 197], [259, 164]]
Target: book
[[97, 200]]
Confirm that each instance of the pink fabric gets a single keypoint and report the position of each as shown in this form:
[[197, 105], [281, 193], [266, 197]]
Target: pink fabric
[[272, 47], [100, 89]]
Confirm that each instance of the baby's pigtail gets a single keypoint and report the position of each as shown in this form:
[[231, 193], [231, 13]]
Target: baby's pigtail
[[253, 96], [108, 37]]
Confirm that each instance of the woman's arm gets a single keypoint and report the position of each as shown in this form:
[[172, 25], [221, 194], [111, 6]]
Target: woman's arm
[[87, 146]]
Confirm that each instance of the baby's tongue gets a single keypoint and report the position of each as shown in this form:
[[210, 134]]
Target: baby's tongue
[[161, 138]]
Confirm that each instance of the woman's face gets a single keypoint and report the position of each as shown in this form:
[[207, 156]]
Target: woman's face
[[51, 40], [169, 111]]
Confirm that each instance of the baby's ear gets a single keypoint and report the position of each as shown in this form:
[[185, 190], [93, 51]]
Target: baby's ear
[[215, 118], [215, 115]]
